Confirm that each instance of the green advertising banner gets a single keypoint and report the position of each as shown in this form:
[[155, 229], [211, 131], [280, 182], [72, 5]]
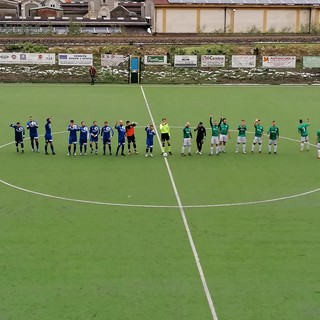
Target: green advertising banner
[[311, 62], [155, 60]]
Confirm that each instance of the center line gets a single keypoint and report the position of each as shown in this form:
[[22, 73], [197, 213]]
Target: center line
[[184, 218]]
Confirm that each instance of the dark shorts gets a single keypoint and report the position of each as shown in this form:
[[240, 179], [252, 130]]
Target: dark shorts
[[106, 141], [149, 143], [72, 140], [121, 141], [165, 137], [18, 140], [83, 141], [94, 139], [34, 136], [48, 138], [131, 139]]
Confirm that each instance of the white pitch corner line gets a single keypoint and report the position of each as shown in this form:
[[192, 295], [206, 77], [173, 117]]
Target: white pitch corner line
[[184, 218]]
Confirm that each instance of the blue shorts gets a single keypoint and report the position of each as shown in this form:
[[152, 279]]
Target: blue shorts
[[72, 140], [149, 143], [34, 136], [121, 141], [94, 139], [83, 141], [107, 141], [48, 137]]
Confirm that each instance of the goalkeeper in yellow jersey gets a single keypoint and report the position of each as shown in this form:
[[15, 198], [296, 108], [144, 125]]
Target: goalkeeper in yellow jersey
[[165, 135]]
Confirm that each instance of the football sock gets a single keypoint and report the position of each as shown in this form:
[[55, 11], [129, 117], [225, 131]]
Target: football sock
[[211, 150]]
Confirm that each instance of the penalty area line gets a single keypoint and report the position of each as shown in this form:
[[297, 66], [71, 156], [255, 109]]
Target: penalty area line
[[184, 218]]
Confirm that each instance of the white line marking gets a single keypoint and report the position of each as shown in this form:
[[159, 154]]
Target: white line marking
[[184, 218], [155, 205]]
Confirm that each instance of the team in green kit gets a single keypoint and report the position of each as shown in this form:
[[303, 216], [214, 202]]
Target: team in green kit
[[220, 134]]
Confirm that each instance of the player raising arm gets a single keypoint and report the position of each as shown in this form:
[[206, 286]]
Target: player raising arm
[[121, 136], [149, 141], [258, 133], [19, 134], [72, 128], [131, 137], [32, 126]]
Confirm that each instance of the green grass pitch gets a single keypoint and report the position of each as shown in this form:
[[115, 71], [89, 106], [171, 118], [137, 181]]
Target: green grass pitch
[[254, 218]]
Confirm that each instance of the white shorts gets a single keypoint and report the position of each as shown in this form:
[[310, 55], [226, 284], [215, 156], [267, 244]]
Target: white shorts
[[304, 139], [318, 145], [257, 140], [242, 140], [214, 140], [187, 141], [273, 141], [223, 138]]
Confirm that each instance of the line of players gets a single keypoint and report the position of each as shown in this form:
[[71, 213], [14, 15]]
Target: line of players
[[220, 136]]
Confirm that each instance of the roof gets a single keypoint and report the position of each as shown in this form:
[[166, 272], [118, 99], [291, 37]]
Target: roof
[[241, 2]]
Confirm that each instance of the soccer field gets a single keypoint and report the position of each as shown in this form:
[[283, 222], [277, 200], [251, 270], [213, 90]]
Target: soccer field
[[228, 237]]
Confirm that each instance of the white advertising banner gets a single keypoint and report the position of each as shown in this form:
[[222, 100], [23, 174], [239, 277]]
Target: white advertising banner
[[112, 60], [185, 61], [212, 61], [278, 62], [67, 59], [27, 58], [243, 61], [311, 62]]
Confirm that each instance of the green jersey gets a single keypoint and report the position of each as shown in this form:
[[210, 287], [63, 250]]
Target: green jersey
[[187, 133], [215, 130], [273, 133], [164, 128], [224, 128], [242, 130], [318, 135], [258, 130], [303, 129]]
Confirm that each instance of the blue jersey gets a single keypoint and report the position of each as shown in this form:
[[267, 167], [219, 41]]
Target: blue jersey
[[106, 133], [84, 133], [18, 132], [94, 133], [121, 133], [32, 126], [73, 133], [48, 134], [150, 135]]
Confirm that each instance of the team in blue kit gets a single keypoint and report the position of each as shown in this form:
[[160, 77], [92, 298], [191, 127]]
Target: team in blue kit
[[106, 132]]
